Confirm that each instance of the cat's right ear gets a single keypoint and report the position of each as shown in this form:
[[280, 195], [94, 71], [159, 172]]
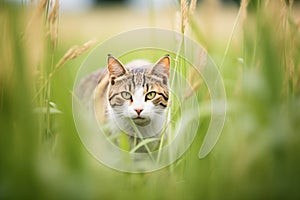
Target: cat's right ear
[[162, 66], [115, 67]]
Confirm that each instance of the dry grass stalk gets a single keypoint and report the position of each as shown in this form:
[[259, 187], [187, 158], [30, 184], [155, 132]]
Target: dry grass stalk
[[193, 5], [291, 3], [189, 92], [64, 59], [194, 77], [283, 11], [86, 46], [201, 60], [42, 6], [184, 15], [37, 14], [53, 21], [54, 12], [73, 53], [244, 5], [33, 36]]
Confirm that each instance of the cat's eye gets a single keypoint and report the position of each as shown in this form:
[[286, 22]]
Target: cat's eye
[[150, 95], [126, 95]]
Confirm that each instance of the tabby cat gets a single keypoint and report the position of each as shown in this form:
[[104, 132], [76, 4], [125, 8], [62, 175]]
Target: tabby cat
[[132, 97]]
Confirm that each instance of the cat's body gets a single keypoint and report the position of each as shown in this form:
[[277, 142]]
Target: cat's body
[[133, 98]]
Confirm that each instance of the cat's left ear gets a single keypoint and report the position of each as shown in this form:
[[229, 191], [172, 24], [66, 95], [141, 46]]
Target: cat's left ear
[[162, 66], [115, 67]]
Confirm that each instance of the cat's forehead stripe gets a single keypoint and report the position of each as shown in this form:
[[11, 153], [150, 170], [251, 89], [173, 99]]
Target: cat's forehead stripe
[[138, 78], [144, 80], [133, 82]]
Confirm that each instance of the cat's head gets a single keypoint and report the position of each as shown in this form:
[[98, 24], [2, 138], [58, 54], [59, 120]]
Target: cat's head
[[139, 94]]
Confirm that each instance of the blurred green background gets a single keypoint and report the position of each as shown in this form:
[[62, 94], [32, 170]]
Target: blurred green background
[[256, 47]]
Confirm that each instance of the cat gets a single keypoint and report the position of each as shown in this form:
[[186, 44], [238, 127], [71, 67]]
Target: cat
[[132, 98]]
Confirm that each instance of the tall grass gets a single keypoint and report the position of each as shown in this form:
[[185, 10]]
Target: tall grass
[[41, 156]]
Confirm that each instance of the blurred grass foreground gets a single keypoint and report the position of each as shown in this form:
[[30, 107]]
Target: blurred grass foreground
[[257, 49]]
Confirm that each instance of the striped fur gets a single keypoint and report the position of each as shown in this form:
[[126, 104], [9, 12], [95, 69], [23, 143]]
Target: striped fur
[[138, 80], [139, 77], [125, 95]]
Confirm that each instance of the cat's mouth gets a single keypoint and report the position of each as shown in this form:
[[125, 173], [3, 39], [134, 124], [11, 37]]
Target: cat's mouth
[[141, 121]]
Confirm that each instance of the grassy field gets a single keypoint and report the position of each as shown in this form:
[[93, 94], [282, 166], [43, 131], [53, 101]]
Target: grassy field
[[257, 50]]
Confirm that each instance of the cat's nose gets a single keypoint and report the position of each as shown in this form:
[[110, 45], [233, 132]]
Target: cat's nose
[[138, 110]]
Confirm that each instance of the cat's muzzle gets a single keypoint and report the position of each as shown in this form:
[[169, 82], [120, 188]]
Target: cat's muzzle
[[141, 121]]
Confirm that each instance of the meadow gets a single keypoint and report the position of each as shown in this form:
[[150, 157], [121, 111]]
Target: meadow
[[256, 47]]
